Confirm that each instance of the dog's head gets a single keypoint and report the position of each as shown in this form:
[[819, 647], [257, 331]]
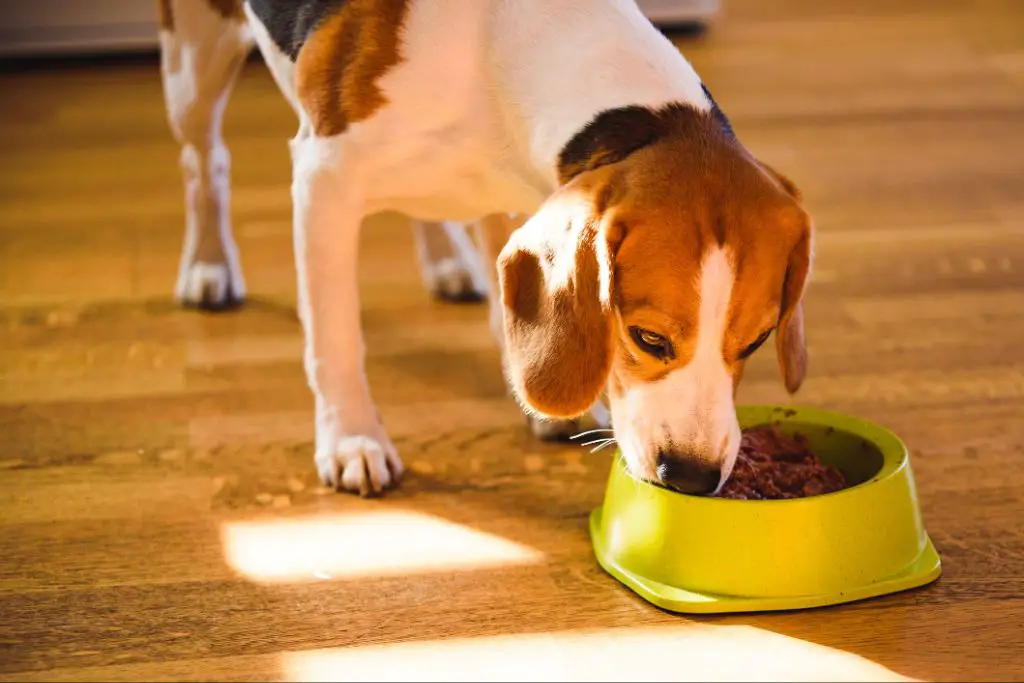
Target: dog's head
[[665, 259]]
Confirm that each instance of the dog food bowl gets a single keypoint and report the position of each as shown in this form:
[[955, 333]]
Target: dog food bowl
[[703, 555]]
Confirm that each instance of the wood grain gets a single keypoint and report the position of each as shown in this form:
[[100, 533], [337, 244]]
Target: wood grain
[[135, 434]]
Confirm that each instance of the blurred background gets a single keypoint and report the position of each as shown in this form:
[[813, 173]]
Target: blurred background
[[98, 26], [161, 514]]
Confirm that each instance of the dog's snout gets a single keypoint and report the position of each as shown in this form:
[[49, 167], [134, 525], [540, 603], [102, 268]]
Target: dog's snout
[[687, 474]]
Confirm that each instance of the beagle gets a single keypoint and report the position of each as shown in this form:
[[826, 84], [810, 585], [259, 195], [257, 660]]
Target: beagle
[[632, 247]]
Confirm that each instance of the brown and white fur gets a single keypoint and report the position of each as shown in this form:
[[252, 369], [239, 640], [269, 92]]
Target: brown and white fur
[[651, 254]]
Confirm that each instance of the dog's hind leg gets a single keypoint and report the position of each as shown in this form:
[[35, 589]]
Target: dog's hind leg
[[449, 262], [203, 45]]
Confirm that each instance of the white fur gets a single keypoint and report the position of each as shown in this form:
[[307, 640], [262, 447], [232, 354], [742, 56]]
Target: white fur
[[693, 406], [485, 97]]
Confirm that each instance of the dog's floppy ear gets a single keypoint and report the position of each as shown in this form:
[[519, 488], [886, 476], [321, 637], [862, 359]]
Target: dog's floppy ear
[[788, 185], [790, 342], [555, 274]]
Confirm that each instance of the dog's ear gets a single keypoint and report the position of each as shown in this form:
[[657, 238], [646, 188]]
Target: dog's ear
[[790, 342], [788, 185], [555, 275]]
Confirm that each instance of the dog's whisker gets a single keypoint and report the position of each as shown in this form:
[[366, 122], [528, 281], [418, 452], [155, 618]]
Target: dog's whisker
[[591, 431], [601, 443]]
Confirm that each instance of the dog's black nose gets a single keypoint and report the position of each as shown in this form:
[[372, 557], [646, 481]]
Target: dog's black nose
[[687, 474]]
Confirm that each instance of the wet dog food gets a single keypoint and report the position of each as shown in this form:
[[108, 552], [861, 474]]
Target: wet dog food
[[773, 465]]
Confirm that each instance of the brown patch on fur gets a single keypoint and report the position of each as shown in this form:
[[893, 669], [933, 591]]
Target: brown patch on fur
[[603, 197], [788, 185], [166, 14], [790, 343], [774, 276], [228, 9], [338, 67]]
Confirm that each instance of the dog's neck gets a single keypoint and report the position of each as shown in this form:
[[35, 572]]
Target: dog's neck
[[574, 61]]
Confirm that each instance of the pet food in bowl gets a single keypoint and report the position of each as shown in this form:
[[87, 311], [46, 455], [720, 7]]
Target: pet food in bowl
[[773, 465]]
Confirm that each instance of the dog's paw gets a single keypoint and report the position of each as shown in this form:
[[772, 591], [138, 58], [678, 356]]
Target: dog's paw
[[451, 280], [210, 286], [360, 464]]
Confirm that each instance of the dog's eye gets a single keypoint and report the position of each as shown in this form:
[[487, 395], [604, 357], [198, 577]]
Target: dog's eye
[[745, 353], [652, 343]]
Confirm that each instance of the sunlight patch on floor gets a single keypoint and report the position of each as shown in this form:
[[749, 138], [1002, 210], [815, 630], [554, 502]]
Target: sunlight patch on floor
[[684, 652], [348, 546]]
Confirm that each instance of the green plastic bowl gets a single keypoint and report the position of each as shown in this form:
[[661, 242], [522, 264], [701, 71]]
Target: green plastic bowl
[[700, 555]]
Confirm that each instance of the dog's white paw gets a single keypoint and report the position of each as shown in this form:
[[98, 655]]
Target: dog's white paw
[[360, 464], [452, 280], [210, 286]]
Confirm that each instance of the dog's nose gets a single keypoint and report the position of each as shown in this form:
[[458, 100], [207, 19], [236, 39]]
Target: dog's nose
[[687, 474]]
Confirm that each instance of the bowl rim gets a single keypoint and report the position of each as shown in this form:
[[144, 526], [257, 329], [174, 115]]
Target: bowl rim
[[895, 454]]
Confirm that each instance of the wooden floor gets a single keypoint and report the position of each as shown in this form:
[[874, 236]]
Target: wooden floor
[[161, 517]]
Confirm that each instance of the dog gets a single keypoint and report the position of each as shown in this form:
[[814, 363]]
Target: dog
[[632, 248]]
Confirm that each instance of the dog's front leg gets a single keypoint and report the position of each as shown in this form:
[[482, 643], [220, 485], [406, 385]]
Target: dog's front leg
[[353, 452]]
